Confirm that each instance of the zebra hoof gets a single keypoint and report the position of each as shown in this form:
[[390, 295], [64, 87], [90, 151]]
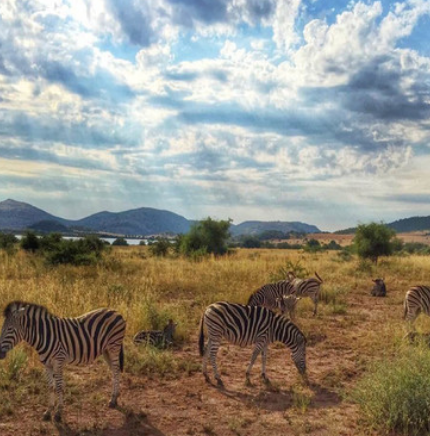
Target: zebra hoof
[[47, 416], [207, 379], [248, 382], [219, 383], [57, 417], [112, 404], [266, 381]]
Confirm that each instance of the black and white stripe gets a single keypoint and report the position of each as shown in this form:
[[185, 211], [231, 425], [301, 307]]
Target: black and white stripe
[[247, 325], [417, 300], [279, 295], [60, 341], [157, 338], [307, 288]]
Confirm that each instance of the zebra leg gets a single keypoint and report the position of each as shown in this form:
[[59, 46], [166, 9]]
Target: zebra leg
[[212, 350], [263, 365], [50, 378], [59, 390], [205, 362], [112, 359], [255, 353], [316, 305]]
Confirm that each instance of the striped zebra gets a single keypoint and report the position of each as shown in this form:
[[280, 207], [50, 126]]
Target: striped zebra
[[157, 338], [279, 295], [306, 288], [247, 325], [60, 341], [417, 299]]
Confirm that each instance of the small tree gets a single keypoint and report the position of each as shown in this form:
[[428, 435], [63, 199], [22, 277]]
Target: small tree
[[373, 240], [30, 242], [160, 247], [120, 242], [207, 236]]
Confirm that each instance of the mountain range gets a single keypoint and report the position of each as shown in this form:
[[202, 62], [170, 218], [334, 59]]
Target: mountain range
[[18, 216]]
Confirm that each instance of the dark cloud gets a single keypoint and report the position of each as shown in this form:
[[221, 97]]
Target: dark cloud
[[185, 12], [83, 133], [38, 155], [134, 22]]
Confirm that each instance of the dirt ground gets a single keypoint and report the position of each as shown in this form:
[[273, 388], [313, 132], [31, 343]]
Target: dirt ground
[[338, 350]]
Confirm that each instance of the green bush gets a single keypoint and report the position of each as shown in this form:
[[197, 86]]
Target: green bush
[[394, 396], [85, 251], [121, 242], [161, 247], [30, 242]]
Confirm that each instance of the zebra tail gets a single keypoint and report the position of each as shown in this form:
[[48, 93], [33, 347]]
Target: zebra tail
[[121, 358], [318, 277], [202, 338]]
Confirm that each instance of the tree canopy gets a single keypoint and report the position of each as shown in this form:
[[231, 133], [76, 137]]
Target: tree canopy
[[373, 240]]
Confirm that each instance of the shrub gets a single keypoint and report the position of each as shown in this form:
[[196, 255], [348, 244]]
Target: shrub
[[122, 242], [160, 248], [207, 236], [85, 251], [30, 242], [394, 395], [373, 240]]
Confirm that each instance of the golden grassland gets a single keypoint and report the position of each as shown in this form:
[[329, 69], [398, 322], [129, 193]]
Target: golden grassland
[[351, 331]]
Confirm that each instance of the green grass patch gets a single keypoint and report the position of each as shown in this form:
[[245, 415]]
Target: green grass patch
[[394, 395]]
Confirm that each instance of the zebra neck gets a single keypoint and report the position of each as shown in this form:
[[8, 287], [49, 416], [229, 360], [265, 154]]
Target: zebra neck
[[38, 328]]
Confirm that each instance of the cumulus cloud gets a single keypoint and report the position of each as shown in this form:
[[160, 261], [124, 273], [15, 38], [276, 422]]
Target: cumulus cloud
[[204, 100]]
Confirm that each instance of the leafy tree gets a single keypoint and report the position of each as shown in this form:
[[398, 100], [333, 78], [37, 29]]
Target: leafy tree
[[312, 246], [30, 242], [50, 242], [251, 242], [206, 236], [120, 242], [160, 247], [7, 240], [373, 240]]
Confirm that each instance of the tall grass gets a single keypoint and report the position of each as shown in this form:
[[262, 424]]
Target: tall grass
[[395, 394]]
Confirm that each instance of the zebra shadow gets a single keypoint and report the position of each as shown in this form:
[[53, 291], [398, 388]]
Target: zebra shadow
[[274, 399], [135, 424]]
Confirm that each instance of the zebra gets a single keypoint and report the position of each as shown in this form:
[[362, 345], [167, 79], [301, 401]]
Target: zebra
[[245, 325], [417, 299], [60, 341], [279, 295], [158, 338], [306, 288]]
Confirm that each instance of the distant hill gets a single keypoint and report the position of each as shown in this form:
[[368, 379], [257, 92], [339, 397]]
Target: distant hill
[[413, 224], [405, 225], [18, 216], [15, 215], [142, 221], [256, 227]]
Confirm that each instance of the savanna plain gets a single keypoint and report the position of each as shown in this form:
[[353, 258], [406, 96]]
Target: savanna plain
[[163, 392]]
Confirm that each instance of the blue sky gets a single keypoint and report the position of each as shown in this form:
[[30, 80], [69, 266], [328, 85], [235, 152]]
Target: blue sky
[[314, 111]]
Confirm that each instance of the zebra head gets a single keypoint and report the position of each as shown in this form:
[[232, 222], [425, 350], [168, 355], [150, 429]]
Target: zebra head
[[287, 303], [298, 354], [169, 330], [11, 333]]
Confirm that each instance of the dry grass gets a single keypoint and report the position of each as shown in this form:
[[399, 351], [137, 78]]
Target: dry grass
[[352, 330]]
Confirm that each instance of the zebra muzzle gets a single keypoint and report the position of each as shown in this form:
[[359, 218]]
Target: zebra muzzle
[[2, 354]]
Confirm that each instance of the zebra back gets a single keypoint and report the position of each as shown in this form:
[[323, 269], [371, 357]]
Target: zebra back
[[245, 325], [73, 340]]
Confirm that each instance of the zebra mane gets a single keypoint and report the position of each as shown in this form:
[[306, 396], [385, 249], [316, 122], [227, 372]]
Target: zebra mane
[[19, 304]]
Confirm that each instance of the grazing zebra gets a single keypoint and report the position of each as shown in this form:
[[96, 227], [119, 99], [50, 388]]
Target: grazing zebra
[[307, 288], [157, 338], [279, 295], [246, 325], [417, 299], [59, 341]]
